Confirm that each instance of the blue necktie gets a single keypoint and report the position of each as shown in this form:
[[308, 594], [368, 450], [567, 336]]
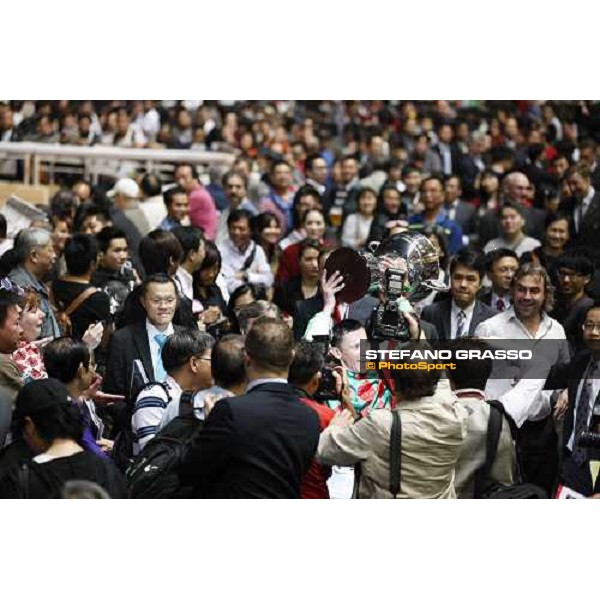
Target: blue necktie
[[159, 370]]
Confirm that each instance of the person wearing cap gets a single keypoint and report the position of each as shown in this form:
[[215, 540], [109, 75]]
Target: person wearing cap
[[125, 211], [51, 426]]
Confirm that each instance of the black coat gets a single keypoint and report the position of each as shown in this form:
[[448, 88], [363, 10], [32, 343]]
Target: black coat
[[258, 445], [439, 314], [588, 235]]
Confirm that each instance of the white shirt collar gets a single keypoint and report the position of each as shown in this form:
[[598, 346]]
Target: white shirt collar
[[468, 311], [257, 382], [186, 281], [152, 330]]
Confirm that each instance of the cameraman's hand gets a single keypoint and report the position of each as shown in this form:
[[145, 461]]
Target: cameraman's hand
[[413, 325], [342, 419], [330, 286]]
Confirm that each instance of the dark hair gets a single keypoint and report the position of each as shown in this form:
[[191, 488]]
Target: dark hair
[[168, 196], [3, 226], [157, 249], [63, 356], [309, 244], [575, 260], [310, 159], [386, 187], [470, 259], [342, 328], [183, 345], [258, 224], [190, 165], [107, 235], [88, 209], [433, 178], [64, 204], [308, 361], [531, 270], [231, 315], [493, 257], [7, 299], [55, 422], [305, 190], [511, 204], [255, 310], [310, 210], [416, 383], [593, 306], [151, 184], [469, 373], [227, 364], [237, 215], [189, 237], [270, 344], [558, 216], [81, 252], [278, 162], [231, 174]]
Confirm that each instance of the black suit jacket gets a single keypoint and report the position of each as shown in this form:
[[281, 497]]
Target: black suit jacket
[[568, 376], [439, 314], [588, 235], [258, 445], [127, 345]]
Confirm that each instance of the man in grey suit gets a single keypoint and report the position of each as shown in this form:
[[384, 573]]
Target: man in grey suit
[[459, 315]]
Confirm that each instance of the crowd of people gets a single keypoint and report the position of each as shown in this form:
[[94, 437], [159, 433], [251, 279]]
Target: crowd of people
[[197, 308]]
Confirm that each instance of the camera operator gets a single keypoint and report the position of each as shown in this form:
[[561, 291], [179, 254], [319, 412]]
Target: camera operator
[[429, 418], [581, 378]]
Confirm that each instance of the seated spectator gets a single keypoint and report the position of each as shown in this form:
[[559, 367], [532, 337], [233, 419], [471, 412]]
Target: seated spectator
[[70, 362], [512, 224], [468, 381], [428, 419], [358, 225], [305, 376], [35, 256], [186, 360], [244, 261], [227, 368], [52, 428], [177, 205], [74, 294]]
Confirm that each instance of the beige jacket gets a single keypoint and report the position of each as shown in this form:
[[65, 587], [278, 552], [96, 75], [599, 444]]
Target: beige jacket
[[473, 451], [433, 430]]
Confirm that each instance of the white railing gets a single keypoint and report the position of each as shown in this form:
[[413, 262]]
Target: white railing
[[92, 161]]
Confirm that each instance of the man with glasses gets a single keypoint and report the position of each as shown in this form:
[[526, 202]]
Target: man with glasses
[[186, 357], [575, 271], [581, 378]]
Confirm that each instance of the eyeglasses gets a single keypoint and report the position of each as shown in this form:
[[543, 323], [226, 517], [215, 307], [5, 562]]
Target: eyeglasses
[[158, 301], [203, 358], [590, 326]]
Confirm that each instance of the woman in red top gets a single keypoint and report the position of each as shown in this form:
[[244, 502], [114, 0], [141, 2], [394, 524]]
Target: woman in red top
[[313, 222]]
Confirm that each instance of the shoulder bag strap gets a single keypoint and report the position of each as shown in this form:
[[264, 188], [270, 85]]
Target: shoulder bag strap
[[395, 453], [80, 300], [250, 258], [24, 480], [494, 428], [186, 404]]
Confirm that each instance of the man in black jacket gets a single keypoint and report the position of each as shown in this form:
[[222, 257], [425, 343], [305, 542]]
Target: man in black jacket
[[459, 315], [261, 444]]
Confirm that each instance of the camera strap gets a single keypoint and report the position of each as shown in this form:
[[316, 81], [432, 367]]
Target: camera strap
[[395, 453]]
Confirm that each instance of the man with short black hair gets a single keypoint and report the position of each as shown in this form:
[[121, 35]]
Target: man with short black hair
[[177, 205], [259, 445], [467, 381], [501, 265], [459, 315], [192, 241], [315, 168], [186, 357]]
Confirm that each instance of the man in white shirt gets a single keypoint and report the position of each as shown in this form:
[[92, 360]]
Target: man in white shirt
[[236, 190], [186, 356], [244, 261], [524, 398]]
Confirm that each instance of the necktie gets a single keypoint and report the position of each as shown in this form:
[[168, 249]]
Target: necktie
[[460, 324], [500, 305], [583, 412], [159, 370]]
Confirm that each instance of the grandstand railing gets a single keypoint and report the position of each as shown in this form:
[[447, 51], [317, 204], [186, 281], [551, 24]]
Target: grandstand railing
[[93, 161]]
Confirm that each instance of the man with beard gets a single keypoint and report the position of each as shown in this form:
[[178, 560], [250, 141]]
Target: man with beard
[[524, 399]]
